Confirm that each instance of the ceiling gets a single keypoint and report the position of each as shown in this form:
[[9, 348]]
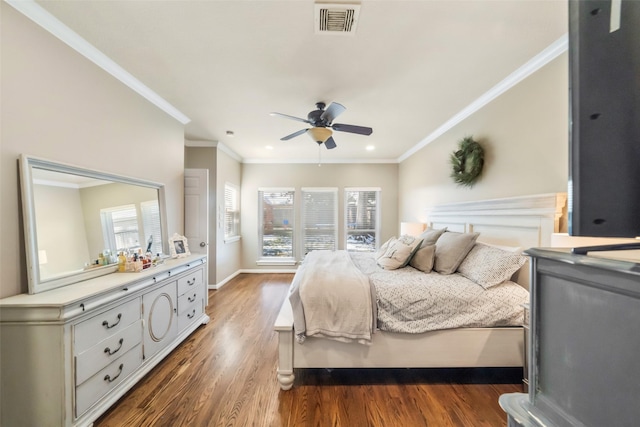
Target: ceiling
[[410, 66]]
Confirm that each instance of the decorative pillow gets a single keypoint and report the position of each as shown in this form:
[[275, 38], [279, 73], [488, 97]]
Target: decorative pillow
[[399, 252], [451, 248], [423, 258], [489, 266], [430, 236], [383, 249]]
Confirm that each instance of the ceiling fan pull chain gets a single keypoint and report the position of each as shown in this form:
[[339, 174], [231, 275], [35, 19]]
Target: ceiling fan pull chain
[[319, 156]]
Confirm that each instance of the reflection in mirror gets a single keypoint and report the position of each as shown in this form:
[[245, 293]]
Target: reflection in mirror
[[77, 221]]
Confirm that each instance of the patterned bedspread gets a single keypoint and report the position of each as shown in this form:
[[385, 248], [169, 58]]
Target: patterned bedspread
[[411, 301]]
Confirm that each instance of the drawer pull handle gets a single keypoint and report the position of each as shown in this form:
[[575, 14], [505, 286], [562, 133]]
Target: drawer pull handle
[[111, 353], [191, 282], [192, 300], [106, 324], [193, 313], [108, 377]]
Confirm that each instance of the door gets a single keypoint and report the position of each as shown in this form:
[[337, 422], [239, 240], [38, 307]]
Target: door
[[196, 209], [196, 214]]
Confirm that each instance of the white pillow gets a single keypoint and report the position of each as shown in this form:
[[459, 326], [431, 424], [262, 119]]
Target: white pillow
[[489, 266], [399, 252], [383, 249]]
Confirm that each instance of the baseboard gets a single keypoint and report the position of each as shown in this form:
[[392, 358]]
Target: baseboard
[[268, 270], [250, 271]]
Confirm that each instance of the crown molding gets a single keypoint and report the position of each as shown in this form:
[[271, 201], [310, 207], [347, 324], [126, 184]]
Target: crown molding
[[315, 162], [200, 143], [226, 149], [46, 20], [550, 53]]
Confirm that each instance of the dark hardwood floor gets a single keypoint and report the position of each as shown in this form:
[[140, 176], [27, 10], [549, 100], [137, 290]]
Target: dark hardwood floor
[[224, 374]]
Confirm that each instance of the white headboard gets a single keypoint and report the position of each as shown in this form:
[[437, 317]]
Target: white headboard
[[523, 221]]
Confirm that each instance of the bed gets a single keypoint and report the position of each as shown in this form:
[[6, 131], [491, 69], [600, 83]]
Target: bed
[[523, 222]]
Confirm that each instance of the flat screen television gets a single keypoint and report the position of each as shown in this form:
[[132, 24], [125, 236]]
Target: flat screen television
[[604, 86]]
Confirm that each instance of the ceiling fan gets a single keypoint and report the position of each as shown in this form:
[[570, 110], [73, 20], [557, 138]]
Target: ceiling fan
[[321, 120]]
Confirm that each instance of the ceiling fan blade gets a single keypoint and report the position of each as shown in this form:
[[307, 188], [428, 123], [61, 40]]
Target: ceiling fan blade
[[293, 135], [360, 130], [333, 110], [286, 116], [330, 143]]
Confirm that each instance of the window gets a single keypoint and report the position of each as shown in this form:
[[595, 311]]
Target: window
[[231, 213], [120, 228], [319, 219], [152, 228], [276, 223], [362, 216]]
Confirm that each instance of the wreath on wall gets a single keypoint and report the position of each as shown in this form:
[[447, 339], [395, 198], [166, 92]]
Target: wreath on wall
[[467, 162]]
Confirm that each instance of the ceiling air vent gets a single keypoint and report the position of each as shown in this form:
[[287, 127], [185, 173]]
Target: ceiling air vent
[[336, 18]]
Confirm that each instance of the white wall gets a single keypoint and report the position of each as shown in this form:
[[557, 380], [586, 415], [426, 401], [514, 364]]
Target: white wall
[[58, 105], [525, 136], [255, 176]]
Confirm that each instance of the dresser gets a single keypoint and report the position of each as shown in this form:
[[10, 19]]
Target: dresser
[[583, 343], [68, 354]]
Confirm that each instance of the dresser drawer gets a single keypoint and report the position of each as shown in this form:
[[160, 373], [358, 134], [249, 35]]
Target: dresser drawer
[[190, 313], [190, 281], [106, 351], [102, 326], [186, 300], [105, 380]]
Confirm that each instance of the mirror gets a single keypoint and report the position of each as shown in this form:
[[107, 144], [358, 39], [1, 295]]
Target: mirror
[[77, 221]]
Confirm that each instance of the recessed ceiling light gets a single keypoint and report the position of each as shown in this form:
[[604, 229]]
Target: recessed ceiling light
[[229, 133], [269, 147], [370, 148]]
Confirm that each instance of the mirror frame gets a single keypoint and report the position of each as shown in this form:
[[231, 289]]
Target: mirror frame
[[26, 163]]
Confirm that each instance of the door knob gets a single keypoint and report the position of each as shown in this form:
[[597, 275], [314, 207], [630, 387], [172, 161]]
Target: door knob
[[203, 244]]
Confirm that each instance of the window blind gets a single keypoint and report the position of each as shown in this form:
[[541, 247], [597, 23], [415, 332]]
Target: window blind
[[319, 219]]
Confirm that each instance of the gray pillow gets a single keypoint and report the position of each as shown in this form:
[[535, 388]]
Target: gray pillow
[[423, 258], [430, 236], [451, 248]]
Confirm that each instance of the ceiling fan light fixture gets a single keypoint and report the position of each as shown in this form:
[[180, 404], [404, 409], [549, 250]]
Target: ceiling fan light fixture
[[319, 134]]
